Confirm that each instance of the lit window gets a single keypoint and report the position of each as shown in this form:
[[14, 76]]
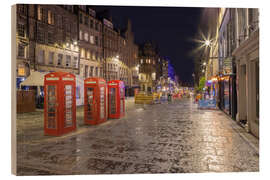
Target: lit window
[[21, 71], [88, 55], [49, 17], [92, 41], [86, 36], [39, 13], [81, 35], [82, 52], [75, 62], [93, 56]]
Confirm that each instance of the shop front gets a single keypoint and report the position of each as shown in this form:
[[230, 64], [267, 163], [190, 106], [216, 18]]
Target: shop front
[[227, 95]]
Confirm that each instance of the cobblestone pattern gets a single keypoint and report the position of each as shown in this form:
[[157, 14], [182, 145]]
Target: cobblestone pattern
[[161, 138]]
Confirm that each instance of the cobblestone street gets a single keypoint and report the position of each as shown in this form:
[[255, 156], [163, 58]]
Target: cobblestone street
[[161, 138]]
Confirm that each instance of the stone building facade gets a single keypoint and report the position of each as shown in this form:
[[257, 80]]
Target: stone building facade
[[148, 59], [22, 42], [73, 38], [53, 39], [90, 43], [247, 58]]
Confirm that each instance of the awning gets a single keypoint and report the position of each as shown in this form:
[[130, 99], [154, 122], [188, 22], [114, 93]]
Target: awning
[[35, 79]]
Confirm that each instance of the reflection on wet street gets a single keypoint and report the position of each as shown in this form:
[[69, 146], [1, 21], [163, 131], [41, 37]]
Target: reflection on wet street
[[161, 138]]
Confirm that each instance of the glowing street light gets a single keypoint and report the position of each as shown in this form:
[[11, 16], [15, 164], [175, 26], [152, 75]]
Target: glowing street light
[[203, 70], [204, 63], [207, 42]]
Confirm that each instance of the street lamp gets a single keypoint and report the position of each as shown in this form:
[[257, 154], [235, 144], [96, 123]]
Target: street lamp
[[207, 42], [204, 63]]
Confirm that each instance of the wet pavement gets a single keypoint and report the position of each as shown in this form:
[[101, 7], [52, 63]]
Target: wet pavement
[[161, 138]]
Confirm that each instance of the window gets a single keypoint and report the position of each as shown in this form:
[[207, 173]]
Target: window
[[50, 37], [75, 62], [68, 60], [86, 20], [50, 17], [39, 13], [101, 72], [21, 50], [92, 39], [81, 18], [51, 57], [21, 71], [97, 26], [96, 71], [96, 55], [60, 59], [40, 35], [86, 36], [21, 30], [59, 21], [81, 35], [86, 71], [91, 71], [68, 26], [96, 40], [41, 56], [91, 23], [93, 56], [82, 52], [21, 9], [88, 55]]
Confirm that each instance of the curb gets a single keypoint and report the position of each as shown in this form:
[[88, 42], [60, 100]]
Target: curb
[[243, 136]]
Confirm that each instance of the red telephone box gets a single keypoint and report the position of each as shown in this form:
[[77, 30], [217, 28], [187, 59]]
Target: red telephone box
[[94, 101], [59, 103], [116, 90]]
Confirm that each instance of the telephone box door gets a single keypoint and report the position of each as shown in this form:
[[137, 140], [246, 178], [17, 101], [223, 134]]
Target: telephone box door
[[122, 101], [51, 117], [89, 105], [112, 101]]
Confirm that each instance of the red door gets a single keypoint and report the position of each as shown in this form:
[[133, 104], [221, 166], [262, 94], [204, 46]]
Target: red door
[[112, 102]]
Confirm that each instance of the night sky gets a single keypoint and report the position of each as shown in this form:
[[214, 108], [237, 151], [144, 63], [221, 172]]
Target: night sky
[[172, 28]]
